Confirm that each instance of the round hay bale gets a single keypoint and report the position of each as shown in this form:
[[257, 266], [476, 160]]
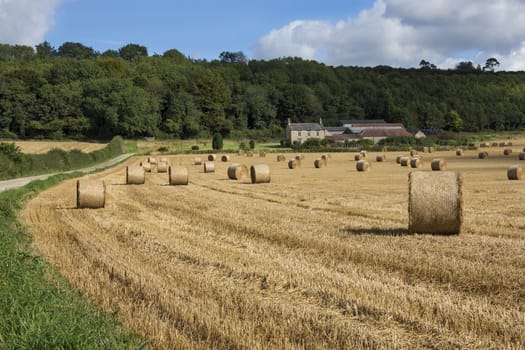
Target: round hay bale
[[225, 158], [425, 149], [209, 167], [325, 157], [91, 193], [398, 159], [416, 163], [197, 161], [413, 152], [212, 157], [483, 155], [404, 161], [459, 152], [238, 172], [135, 175], [523, 150], [362, 165], [260, 173], [521, 156], [299, 157], [430, 149], [438, 164], [502, 144], [484, 144], [380, 157], [152, 160], [281, 158], [507, 152], [509, 143], [240, 152], [292, 163], [249, 154], [146, 166], [364, 153], [515, 172], [262, 154], [358, 156], [320, 163], [163, 159], [178, 175], [494, 144], [435, 202], [162, 167]]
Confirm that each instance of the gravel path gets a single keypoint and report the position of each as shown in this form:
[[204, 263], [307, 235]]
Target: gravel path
[[19, 182]]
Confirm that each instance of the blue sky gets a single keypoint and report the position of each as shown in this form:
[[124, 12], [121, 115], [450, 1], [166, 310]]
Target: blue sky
[[398, 33]]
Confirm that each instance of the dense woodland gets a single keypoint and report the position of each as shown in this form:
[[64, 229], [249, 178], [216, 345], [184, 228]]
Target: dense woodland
[[75, 92]]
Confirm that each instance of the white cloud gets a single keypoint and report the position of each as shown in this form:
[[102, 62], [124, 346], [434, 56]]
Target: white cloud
[[26, 22], [402, 32]]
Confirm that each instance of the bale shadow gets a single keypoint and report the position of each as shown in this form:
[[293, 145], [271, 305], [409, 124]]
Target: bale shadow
[[376, 231]]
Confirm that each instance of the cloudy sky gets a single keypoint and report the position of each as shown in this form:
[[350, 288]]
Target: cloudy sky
[[398, 33]]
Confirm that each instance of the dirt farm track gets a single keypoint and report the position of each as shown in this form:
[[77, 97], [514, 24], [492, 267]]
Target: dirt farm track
[[315, 259]]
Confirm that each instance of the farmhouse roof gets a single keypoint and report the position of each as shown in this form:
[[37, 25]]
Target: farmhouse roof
[[360, 121], [384, 133], [305, 126]]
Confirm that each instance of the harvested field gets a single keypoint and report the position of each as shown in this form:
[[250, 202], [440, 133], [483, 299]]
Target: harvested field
[[39, 147], [303, 262]]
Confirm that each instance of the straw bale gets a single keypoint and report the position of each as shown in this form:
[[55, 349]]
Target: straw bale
[[197, 161], [459, 152], [212, 157], [398, 159], [262, 154], [162, 167], [260, 173], [238, 172], [515, 172], [502, 144], [483, 155], [146, 166], [363, 153], [281, 158], [438, 164], [249, 154], [152, 160], [292, 163], [209, 167], [380, 157], [320, 163], [135, 175], [507, 151], [91, 193], [362, 165], [416, 163], [358, 156], [178, 175], [325, 157], [413, 152], [435, 202], [521, 156], [225, 158], [404, 161]]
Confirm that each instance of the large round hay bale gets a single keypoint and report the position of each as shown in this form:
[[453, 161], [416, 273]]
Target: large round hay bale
[[320, 163], [212, 157], [197, 161], [163, 159], [435, 202], [260, 173], [152, 160], [404, 161], [494, 144], [515, 172], [209, 167], [507, 151], [484, 144], [135, 175], [162, 167], [416, 163], [483, 155], [225, 158], [364, 153], [362, 165], [238, 172], [262, 154], [413, 152], [358, 156], [438, 164], [380, 157], [281, 158], [502, 144], [325, 157], [146, 166], [509, 143], [178, 175], [459, 152], [91, 193], [521, 156], [292, 163], [299, 157], [398, 159]]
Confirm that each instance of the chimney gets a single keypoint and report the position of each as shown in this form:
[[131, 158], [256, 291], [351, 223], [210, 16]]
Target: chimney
[[289, 122]]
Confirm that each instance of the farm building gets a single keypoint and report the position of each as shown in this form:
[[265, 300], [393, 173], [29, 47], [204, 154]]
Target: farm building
[[300, 132]]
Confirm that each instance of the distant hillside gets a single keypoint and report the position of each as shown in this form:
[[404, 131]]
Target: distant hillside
[[74, 92]]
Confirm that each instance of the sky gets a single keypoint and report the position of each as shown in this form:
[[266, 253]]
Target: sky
[[398, 33]]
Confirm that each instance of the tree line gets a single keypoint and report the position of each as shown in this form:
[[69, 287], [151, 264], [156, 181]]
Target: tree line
[[76, 92]]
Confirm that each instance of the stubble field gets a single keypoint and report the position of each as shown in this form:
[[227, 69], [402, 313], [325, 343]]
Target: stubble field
[[316, 259], [39, 147]]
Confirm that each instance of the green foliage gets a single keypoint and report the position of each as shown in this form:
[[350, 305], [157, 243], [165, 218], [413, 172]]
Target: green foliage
[[217, 142], [252, 144], [163, 149], [39, 309], [195, 147]]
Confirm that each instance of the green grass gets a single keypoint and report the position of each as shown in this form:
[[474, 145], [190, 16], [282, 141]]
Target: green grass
[[38, 309]]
